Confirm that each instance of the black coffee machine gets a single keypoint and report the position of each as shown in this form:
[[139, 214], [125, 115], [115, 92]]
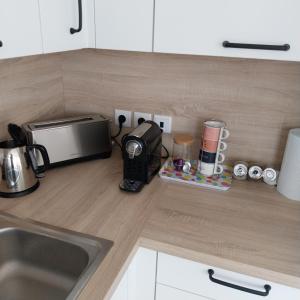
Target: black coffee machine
[[141, 155]]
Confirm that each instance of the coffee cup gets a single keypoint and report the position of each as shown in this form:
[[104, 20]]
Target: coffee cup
[[211, 158], [206, 169], [213, 146], [207, 157], [209, 170], [215, 130]]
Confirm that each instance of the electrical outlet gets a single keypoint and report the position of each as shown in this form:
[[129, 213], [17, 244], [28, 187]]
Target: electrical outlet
[[164, 122], [126, 113], [138, 115]]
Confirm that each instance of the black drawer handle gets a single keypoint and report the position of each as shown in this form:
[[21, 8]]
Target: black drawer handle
[[238, 287], [1, 44], [284, 47], [74, 30]]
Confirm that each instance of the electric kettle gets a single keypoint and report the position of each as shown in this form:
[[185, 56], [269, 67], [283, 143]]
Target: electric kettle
[[18, 168]]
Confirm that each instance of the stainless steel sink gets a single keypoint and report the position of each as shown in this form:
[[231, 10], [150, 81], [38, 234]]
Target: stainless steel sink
[[40, 262]]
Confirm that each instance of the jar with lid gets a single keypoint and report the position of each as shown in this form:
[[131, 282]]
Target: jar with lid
[[182, 150]]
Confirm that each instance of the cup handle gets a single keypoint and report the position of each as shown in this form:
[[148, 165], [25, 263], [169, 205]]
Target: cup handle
[[218, 170], [223, 146], [221, 158], [225, 134]]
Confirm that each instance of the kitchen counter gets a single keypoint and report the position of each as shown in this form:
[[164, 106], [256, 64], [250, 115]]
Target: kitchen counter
[[250, 229]]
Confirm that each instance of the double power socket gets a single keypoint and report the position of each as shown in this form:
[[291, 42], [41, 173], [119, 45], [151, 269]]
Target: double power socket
[[164, 122]]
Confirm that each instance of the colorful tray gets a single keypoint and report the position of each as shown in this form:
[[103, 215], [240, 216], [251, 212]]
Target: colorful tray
[[219, 182]]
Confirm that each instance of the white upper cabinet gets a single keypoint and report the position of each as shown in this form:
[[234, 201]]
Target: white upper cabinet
[[124, 25], [201, 27], [20, 30], [57, 19]]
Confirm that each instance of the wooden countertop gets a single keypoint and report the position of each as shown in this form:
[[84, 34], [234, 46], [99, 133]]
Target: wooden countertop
[[250, 229]]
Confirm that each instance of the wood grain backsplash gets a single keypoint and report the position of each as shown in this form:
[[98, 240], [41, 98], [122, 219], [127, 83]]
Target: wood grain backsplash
[[30, 88], [259, 100]]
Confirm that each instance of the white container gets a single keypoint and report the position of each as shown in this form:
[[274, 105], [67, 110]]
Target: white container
[[289, 178]]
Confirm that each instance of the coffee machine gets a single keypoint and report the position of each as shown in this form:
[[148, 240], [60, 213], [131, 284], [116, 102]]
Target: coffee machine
[[141, 150]]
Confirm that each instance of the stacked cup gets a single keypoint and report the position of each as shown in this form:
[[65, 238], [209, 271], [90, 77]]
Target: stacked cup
[[212, 146]]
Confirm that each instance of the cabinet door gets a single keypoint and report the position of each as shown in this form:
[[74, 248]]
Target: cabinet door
[[58, 17], [167, 293], [124, 25], [142, 275], [20, 30], [201, 27], [193, 277], [139, 280], [121, 293]]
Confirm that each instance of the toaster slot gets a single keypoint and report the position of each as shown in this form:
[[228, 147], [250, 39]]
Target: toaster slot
[[59, 123]]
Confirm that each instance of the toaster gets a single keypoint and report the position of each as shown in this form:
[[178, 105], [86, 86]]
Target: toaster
[[71, 139]]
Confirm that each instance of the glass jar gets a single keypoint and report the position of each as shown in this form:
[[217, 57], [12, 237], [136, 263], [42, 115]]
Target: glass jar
[[182, 152], [183, 147]]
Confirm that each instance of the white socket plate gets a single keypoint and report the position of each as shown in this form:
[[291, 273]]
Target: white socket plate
[[164, 122], [127, 114], [138, 115]]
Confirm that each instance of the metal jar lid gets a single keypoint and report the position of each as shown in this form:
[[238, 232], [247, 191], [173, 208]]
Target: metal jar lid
[[270, 176], [255, 172], [240, 170]]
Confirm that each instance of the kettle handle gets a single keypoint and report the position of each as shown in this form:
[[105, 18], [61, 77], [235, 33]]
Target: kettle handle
[[38, 170]]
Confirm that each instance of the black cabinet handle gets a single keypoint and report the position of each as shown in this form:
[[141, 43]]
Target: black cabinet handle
[[1, 44], [74, 30], [238, 287], [284, 47]]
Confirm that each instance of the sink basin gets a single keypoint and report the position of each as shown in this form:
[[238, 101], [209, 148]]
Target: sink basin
[[41, 262]]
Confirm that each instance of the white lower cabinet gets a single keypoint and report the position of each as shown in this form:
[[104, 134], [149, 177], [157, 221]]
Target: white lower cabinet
[[142, 275], [157, 276], [138, 283], [193, 277], [167, 293], [121, 293]]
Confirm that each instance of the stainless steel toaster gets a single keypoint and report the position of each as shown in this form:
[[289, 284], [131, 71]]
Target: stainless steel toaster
[[71, 139]]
